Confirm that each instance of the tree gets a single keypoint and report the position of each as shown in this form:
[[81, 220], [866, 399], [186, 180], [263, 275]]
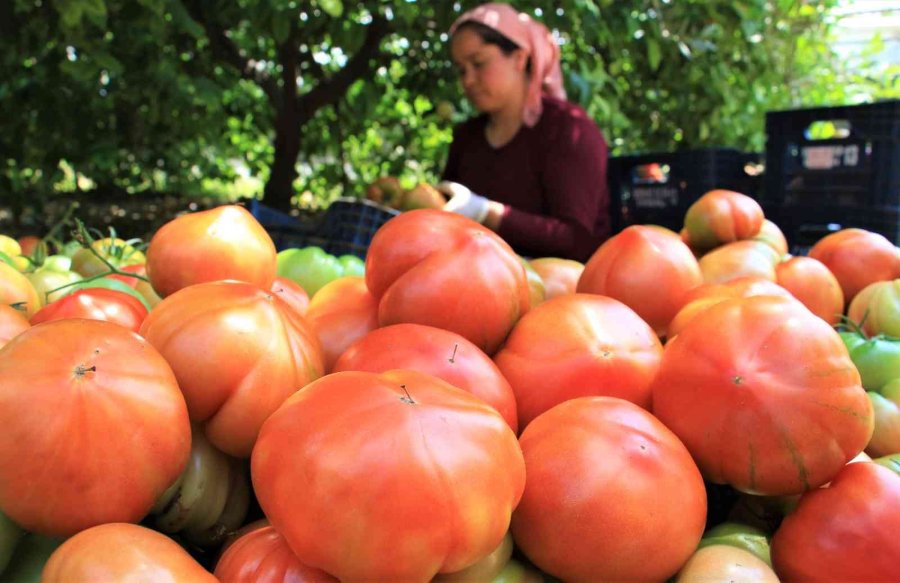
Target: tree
[[325, 95]]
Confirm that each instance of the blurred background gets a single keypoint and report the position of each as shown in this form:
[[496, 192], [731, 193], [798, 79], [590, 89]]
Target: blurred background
[[297, 102]]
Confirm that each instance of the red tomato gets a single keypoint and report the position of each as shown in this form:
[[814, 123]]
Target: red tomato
[[661, 270], [402, 476], [441, 269], [95, 303], [857, 258], [560, 276], [764, 395], [845, 532], [292, 293], [341, 312], [611, 495], [95, 428], [739, 259], [122, 552], [213, 245], [877, 308], [576, 346], [238, 352], [12, 323], [722, 216], [29, 243], [814, 285], [704, 296], [263, 556], [16, 289], [440, 353]]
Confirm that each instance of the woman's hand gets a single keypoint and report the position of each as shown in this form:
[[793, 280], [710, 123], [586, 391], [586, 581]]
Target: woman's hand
[[464, 202]]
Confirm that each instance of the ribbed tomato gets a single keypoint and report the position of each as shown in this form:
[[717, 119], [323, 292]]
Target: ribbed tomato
[[441, 269], [387, 477], [764, 395], [94, 426], [722, 216], [845, 532], [857, 258], [611, 495], [575, 346], [263, 556], [437, 352], [648, 269], [238, 352], [226, 242]]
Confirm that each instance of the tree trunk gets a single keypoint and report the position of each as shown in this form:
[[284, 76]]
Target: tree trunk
[[280, 187]]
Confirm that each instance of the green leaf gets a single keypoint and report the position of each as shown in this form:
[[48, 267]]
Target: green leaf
[[654, 55], [333, 8]]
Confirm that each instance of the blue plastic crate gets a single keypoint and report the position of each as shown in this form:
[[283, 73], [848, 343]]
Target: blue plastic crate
[[345, 228]]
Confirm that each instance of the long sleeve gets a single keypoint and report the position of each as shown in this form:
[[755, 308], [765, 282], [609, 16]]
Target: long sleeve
[[577, 197]]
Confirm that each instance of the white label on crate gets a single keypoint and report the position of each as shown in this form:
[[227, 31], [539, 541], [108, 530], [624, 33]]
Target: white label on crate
[[828, 157], [655, 197]]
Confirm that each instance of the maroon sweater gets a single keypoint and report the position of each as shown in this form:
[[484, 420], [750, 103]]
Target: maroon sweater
[[552, 177]]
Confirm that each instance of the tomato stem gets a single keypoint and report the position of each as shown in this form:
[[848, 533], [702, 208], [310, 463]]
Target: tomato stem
[[408, 398]]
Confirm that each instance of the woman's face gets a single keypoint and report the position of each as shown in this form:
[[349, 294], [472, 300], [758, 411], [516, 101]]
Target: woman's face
[[490, 79]]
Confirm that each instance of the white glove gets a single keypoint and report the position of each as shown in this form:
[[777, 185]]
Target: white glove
[[464, 202]]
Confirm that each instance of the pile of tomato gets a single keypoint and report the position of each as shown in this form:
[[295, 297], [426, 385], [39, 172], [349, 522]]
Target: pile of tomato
[[694, 405]]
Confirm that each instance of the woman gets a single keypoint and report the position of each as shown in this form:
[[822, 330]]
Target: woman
[[532, 167]]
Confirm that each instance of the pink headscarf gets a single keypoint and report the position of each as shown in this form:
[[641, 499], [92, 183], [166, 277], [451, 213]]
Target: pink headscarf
[[534, 38]]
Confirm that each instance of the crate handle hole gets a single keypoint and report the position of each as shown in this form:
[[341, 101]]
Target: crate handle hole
[[828, 129]]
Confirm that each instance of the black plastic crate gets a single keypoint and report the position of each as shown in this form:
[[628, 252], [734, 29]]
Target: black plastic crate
[[843, 156], [804, 225], [658, 188], [346, 227]]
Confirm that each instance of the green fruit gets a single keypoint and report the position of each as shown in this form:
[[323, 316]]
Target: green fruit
[[891, 462], [10, 533], [352, 265], [741, 536], [311, 267], [878, 361], [29, 559]]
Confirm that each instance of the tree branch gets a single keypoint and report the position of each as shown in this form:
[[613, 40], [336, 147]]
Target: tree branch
[[330, 90], [225, 50]]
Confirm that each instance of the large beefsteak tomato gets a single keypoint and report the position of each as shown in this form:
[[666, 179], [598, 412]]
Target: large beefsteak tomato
[[437, 352], [764, 395], [576, 346], [226, 242], [387, 477], [94, 426], [441, 269], [646, 268], [857, 257], [238, 352], [611, 495], [844, 532]]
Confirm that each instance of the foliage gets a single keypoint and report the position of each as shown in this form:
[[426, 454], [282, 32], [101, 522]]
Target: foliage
[[184, 95]]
